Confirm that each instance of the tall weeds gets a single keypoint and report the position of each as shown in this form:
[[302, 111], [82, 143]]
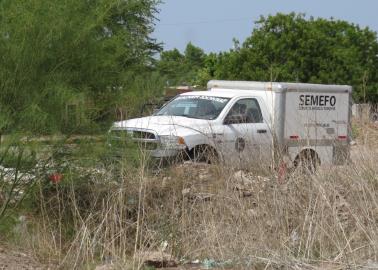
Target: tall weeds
[[196, 211]]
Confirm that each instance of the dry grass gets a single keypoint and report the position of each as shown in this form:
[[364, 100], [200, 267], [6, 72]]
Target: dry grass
[[202, 211], [367, 134]]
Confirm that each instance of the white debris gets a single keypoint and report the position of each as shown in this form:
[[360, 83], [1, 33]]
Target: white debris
[[185, 192], [105, 267]]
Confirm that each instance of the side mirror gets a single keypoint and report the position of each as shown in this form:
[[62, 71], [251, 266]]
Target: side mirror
[[235, 119]]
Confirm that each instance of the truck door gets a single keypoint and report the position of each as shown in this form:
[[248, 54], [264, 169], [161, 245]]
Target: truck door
[[246, 135]]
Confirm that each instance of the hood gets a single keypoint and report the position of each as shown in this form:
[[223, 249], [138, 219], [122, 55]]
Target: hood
[[166, 125]]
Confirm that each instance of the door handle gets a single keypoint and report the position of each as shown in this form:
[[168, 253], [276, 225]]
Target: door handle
[[261, 131]]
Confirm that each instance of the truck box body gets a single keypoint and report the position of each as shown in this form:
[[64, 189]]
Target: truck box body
[[303, 115]]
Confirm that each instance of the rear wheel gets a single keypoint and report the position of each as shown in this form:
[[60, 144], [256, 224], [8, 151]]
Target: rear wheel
[[374, 117], [307, 161]]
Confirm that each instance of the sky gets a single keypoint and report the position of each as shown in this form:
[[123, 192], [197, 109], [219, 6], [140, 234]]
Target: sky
[[212, 24]]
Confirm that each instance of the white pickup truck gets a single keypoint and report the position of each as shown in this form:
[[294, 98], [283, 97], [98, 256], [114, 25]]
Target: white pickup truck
[[245, 123]]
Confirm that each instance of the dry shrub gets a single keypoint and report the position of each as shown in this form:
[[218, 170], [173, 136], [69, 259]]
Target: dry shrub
[[197, 211], [328, 216]]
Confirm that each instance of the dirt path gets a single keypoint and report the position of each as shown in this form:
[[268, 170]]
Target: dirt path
[[12, 260]]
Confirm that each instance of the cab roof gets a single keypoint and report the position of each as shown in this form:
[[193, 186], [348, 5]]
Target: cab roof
[[219, 93]]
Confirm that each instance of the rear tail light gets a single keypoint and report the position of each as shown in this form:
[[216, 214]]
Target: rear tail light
[[342, 137], [294, 137]]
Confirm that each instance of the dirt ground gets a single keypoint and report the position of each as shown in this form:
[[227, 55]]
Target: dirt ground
[[16, 260]]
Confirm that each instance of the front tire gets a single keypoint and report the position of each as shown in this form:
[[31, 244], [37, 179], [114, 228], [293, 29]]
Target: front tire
[[204, 153]]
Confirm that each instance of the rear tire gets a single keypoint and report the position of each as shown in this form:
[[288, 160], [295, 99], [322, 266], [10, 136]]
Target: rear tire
[[307, 161], [374, 117]]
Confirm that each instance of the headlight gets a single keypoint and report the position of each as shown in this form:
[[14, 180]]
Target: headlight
[[172, 142]]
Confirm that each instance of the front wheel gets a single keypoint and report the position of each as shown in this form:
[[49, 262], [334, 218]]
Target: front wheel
[[204, 153]]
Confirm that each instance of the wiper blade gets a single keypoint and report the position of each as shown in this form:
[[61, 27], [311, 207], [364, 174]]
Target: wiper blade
[[190, 116], [183, 115]]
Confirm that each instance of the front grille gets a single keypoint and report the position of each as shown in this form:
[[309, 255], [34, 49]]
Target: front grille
[[137, 134], [142, 139]]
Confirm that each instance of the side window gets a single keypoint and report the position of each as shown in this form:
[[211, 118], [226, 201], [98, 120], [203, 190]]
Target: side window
[[245, 111]]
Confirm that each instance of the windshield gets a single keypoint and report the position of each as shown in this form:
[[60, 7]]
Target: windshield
[[200, 107]]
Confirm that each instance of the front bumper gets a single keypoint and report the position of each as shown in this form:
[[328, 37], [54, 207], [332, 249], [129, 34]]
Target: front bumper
[[143, 140], [164, 153]]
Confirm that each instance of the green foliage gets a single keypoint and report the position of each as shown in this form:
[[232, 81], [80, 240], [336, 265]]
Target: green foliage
[[58, 53], [26, 167], [143, 88], [181, 68], [24, 163], [170, 65], [15, 182], [295, 49], [7, 226]]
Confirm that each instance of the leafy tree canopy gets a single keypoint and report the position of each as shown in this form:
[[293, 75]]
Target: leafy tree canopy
[[289, 47], [57, 52], [181, 68]]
